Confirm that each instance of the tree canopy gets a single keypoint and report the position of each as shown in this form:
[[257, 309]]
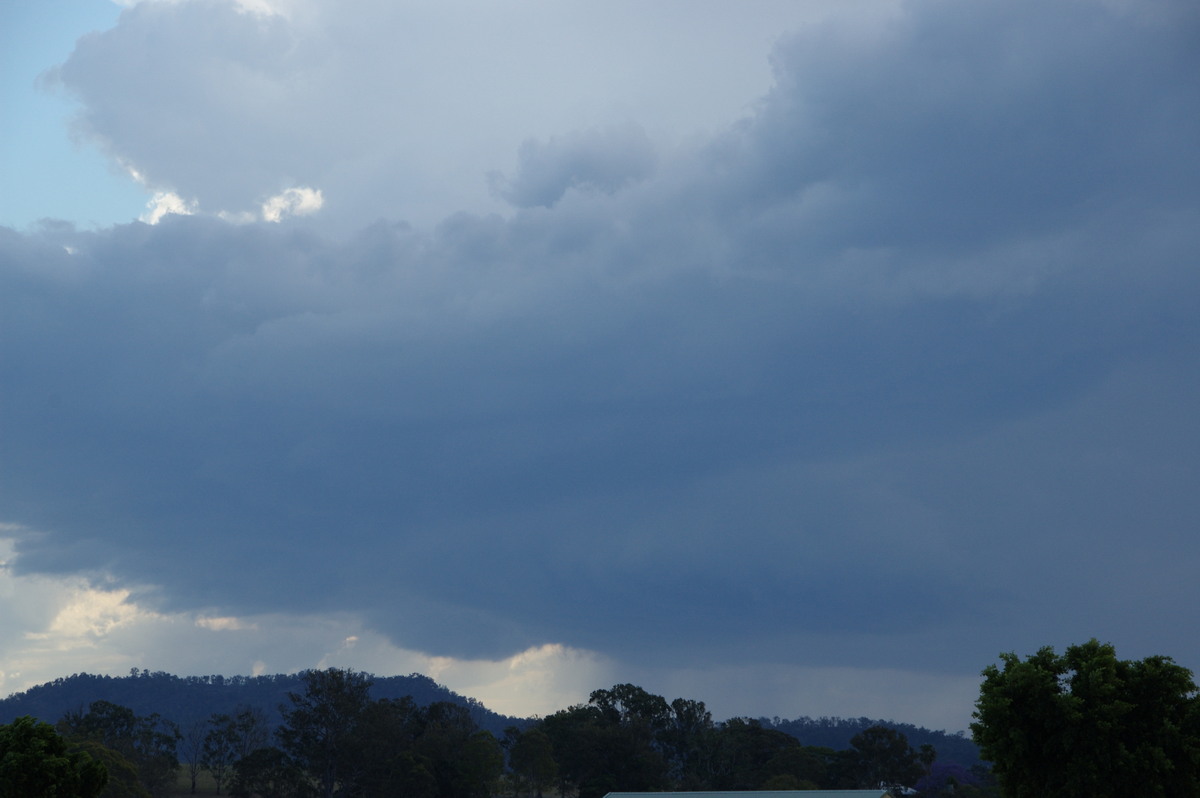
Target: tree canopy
[[883, 756], [336, 740], [149, 743], [36, 760], [1085, 723]]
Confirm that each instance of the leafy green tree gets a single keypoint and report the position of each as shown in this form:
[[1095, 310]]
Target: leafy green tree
[[35, 761], [480, 765], [231, 738], [927, 755], [402, 773], [446, 731], [689, 744], [882, 757], [748, 755], [270, 773], [123, 781], [251, 730], [383, 760], [952, 780], [577, 737], [220, 748], [1085, 723], [531, 758], [319, 726], [627, 739], [807, 766], [633, 724], [148, 742]]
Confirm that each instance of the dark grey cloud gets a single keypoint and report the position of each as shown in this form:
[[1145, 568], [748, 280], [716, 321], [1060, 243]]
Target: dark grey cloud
[[902, 363]]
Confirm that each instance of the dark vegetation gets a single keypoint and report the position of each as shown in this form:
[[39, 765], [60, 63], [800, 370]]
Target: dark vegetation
[[836, 733], [35, 760], [1086, 724], [188, 699], [335, 732], [1083, 724]]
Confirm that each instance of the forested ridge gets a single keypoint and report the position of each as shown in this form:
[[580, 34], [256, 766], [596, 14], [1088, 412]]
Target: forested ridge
[[337, 732], [187, 699]]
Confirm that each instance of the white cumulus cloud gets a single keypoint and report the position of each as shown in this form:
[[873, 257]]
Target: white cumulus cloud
[[164, 203], [301, 201]]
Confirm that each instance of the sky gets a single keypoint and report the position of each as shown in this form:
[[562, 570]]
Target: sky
[[795, 357]]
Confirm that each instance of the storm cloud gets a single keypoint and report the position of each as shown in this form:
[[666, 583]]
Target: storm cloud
[[900, 364]]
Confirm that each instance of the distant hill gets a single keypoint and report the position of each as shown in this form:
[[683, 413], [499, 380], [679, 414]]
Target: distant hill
[[835, 733], [186, 699]]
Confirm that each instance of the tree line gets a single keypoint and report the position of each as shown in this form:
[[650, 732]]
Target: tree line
[[627, 739], [1079, 724], [334, 739]]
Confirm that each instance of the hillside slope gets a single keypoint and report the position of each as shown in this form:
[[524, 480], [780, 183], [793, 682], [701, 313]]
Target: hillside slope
[[186, 699]]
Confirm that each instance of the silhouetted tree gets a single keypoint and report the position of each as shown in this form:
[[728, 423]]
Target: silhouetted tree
[[148, 742], [531, 758], [480, 764], [579, 737], [748, 755], [270, 773], [689, 744], [883, 757], [191, 745], [220, 750], [320, 724]]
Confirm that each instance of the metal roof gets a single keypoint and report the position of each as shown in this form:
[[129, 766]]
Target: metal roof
[[758, 794]]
